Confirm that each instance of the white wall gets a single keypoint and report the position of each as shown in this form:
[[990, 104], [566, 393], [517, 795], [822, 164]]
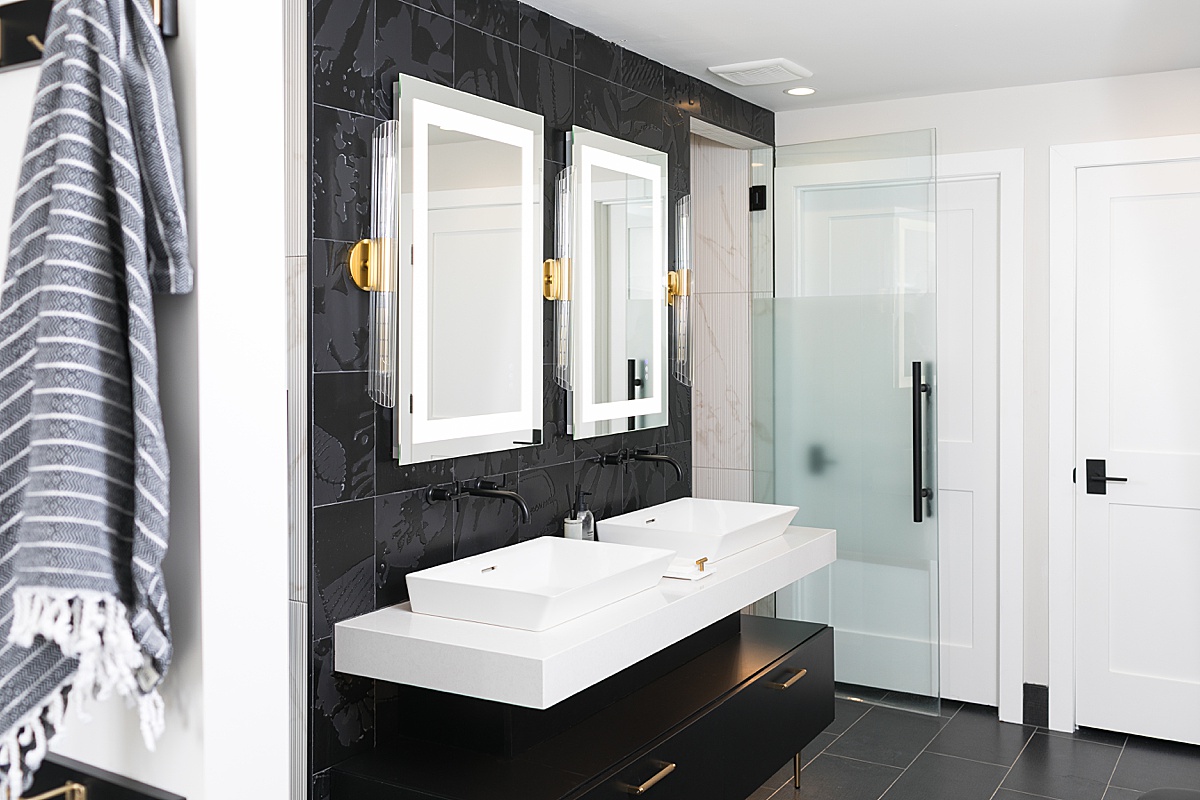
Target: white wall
[[1032, 117], [224, 394]]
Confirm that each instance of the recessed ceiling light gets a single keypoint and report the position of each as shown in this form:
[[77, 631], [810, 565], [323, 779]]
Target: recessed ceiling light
[[801, 91], [756, 164]]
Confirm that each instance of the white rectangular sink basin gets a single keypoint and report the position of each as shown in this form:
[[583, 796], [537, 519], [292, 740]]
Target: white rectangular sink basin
[[697, 528], [537, 584]]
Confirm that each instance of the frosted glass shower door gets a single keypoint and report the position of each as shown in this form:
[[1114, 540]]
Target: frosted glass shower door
[[854, 388]]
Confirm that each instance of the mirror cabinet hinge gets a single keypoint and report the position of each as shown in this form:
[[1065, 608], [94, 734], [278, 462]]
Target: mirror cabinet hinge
[[410, 404]]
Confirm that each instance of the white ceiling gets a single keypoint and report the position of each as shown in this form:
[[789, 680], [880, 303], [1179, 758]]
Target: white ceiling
[[864, 50]]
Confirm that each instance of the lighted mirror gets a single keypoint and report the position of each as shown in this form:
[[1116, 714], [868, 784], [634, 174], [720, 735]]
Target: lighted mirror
[[618, 286], [470, 329]]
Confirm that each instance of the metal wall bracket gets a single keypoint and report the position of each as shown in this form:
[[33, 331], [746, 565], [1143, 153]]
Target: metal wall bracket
[[679, 284], [556, 279]]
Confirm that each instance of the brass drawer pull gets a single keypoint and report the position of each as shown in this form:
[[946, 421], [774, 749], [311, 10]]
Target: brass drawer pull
[[800, 673], [667, 769]]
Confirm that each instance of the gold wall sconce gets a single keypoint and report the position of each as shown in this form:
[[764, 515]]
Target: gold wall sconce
[[373, 264], [556, 275], [679, 294]]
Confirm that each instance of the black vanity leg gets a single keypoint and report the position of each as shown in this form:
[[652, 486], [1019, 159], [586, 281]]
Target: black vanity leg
[[796, 768]]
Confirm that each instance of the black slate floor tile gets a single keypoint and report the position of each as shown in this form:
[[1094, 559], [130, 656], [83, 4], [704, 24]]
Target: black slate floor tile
[[833, 778], [937, 777], [855, 692], [846, 713], [817, 746], [1110, 738], [1066, 769], [1114, 793], [975, 733], [1009, 794], [1150, 764], [887, 736]]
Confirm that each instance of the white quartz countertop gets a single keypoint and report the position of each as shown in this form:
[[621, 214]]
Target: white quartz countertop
[[537, 669]]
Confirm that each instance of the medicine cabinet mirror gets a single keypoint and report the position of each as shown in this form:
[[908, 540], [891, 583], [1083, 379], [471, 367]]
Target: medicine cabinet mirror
[[618, 278], [469, 295]]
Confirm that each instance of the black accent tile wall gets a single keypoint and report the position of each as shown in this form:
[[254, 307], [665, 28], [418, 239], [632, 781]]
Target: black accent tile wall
[[371, 524]]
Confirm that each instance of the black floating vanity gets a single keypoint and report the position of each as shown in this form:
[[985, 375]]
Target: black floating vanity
[[712, 716]]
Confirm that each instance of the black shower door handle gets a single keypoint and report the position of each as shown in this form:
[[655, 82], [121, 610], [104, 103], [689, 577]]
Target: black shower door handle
[[920, 493]]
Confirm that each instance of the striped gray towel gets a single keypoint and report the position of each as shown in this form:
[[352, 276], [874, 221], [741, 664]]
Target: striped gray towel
[[98, 226]]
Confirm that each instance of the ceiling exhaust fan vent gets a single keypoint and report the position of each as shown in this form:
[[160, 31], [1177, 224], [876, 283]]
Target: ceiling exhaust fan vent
[[761, 73]]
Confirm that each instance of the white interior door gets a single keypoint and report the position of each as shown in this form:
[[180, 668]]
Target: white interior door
[[1137, 604], [968, 259]]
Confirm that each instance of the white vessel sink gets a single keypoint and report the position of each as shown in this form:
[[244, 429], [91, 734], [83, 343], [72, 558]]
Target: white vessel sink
[[537, 584], [697, 528]]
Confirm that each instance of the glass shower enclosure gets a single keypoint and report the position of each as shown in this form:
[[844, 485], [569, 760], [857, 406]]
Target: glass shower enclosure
[[845, 394]]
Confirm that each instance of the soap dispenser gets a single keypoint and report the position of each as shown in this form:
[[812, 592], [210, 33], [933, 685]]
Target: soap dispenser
[[581, 524]]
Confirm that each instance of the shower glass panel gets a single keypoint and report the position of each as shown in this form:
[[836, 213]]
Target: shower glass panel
[[845, 352]]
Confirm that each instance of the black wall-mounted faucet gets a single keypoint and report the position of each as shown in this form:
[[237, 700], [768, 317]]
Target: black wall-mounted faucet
[[625, 455], [480, 488]]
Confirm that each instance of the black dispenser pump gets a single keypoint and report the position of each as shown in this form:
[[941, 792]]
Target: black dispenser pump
[[577, 512]]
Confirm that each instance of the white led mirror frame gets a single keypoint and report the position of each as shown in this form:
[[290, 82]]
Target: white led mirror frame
[[419, 435], [594, 150]]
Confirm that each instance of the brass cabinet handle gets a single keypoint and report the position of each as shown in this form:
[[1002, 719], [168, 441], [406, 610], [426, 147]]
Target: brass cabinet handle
[[787, 684], [69, 791], [666, 769]]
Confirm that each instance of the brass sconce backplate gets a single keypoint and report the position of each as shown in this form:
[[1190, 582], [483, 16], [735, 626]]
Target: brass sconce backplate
[[556, 274], [679, 284], [359, 264], [367, 261]]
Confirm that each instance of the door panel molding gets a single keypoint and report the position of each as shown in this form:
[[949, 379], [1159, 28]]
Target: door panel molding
[[1009, 167], [1065, 161]]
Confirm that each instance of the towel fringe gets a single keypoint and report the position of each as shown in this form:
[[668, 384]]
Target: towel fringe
[[94, 628], [23, 748]]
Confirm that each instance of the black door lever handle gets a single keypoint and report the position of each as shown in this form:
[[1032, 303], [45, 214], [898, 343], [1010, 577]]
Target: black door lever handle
[[1095, 471]]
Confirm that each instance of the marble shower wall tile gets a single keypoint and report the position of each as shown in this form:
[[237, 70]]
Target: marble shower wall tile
[[721, 380], [721, 484], [721, 217]]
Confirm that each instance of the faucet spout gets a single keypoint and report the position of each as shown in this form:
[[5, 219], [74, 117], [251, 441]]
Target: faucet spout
[[641, 456], [488, 489]]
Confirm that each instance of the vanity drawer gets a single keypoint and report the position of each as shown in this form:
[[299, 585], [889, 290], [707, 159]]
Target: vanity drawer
[[783, 710], [683, 767]]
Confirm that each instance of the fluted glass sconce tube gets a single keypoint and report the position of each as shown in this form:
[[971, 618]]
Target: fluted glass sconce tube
[[679, 294], [557, 274], [373, 264]]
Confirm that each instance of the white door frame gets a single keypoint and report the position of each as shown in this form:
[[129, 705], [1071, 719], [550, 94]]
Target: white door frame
[[1009, 167], [1065, 160]]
